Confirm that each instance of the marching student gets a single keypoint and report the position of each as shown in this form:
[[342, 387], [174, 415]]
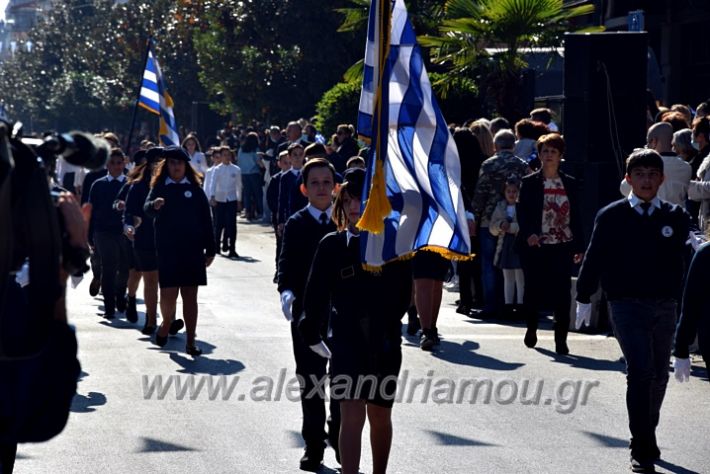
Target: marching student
[[363, 310], [184, 241], [89, 179], [296, 156], [138, 226], [106, 235], [225, 195], [272, 200], [637, 253], [197, 159], [301, 235]]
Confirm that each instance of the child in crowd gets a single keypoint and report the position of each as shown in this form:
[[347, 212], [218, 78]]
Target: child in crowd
[[504, 225]]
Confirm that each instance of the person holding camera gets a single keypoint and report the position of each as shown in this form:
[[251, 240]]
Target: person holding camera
[[106, 235], [184, 240]]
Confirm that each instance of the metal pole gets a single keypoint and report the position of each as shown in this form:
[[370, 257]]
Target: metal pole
[[138, 96]]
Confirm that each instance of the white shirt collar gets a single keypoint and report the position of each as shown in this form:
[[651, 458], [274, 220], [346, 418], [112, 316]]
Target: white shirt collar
[[635, 202], [317, 212], [295, 171], [121, 178], [184, 180]]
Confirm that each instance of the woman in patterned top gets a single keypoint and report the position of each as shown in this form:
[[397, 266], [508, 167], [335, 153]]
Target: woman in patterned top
[[550, 240]]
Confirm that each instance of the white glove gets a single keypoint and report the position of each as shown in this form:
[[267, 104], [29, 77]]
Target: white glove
[[287, 298], [681, 368], [584, 314], [23, 276], [321, 349]]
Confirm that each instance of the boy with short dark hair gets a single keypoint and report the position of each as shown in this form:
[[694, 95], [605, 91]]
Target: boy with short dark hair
[[637, 254], [302, 233]]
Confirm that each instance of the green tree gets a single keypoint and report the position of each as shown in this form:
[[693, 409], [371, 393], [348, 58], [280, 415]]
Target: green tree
[[509, 25]]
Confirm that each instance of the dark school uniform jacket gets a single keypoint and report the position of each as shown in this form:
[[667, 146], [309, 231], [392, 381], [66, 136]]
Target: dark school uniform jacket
[[104, 218], [695, 314], [144, 238], [300, 241]]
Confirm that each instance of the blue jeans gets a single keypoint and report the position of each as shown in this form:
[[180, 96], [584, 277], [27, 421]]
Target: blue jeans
[[644, 329], [489, 273]]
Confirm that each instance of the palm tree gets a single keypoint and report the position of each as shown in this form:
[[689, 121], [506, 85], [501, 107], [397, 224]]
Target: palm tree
[[507, 25]]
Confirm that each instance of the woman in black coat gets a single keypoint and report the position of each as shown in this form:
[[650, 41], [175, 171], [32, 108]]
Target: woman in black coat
[[550, 240], [363, 310], [184, 239]]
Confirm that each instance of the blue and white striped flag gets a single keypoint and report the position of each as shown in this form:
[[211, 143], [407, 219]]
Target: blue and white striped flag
[[155, 98], [413, 157]]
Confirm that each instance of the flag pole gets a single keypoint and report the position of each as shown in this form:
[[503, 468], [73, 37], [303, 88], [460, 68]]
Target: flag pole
[[138, 96]]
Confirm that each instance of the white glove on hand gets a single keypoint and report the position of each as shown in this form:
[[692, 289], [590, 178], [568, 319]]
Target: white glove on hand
[[287, 298], [321, 349], [584, 314], [681, 368]]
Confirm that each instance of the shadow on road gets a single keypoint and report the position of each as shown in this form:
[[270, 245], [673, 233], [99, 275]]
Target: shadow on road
[[446, 439], [463, 354], [608, 441], [582, 362], [150, 445], [87, 403], [204, 365]]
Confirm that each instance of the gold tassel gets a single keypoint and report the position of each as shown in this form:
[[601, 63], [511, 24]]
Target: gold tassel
[[446, 253], [378, 207]]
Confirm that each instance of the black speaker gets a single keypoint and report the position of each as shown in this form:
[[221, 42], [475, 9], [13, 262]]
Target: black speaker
[[604, 110]]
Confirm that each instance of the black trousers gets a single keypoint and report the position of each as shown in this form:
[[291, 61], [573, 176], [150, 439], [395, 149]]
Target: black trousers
[[96, 265], [226, 220], [8, 451], [548, 282], [312, 368], [114, 251]]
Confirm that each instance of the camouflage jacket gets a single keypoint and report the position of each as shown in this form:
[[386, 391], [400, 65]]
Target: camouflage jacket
[[495, 171]]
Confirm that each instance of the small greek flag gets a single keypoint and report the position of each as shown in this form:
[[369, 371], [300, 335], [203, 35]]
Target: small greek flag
[[412, 196], [155, 98]]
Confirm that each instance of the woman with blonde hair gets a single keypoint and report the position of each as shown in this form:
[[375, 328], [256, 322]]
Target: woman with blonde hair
[[484, 136]]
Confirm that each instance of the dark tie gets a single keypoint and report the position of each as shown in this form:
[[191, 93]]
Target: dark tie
[[323, 218], [646, 206]]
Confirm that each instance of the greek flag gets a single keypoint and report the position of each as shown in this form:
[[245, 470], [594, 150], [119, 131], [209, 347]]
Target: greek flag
[[412, 198], [155, 98]]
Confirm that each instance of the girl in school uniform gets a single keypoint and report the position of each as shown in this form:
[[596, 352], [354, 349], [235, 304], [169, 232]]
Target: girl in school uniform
[[363, 310], [184, 241], [138, 227]]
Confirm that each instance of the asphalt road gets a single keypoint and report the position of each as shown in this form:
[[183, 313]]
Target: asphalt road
[[578, 424]]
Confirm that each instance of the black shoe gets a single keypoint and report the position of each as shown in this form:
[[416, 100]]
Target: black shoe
[[561, 348], [276, 278], [645, 466], [225, 248], [530, 337], [110, 315], [311, 460], [194, 351], [131, 312], [233, 254], [175, 326], [464, 309], [413, 326], [148, 330], [482, 314], [435, 335], [94, 286], [427, 342], [160, 341], [121, 303]]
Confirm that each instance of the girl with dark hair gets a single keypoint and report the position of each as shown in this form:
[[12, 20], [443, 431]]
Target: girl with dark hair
[[363, 310], [197, 159], [138, 227], [184, 241], [252, 176]]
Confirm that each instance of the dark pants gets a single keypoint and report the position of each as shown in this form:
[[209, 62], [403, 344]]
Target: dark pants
[[310, 365], [491, 275], [548, 281], [253, 193], [470, 273], [226, 219], [114, 250], [278, 251], [8, 451], [644, 329], [96, 265]]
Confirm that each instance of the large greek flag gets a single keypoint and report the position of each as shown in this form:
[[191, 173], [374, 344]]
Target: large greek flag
[[155, 98], [413, 158]]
